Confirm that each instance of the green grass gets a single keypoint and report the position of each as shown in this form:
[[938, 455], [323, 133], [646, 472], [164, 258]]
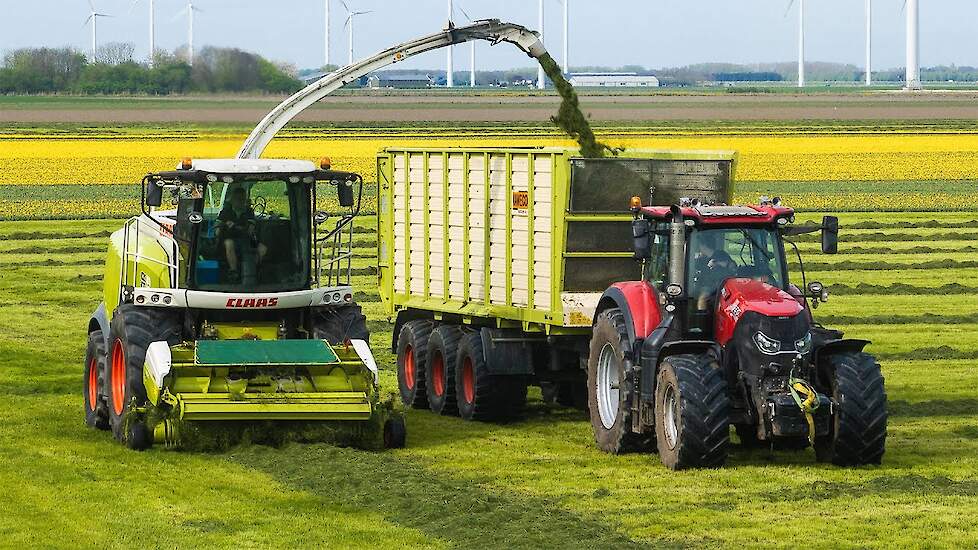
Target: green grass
[[539, 482]]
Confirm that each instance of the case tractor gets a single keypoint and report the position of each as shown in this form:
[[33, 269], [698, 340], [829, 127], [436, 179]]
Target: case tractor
[[234, 311], [715, 335]]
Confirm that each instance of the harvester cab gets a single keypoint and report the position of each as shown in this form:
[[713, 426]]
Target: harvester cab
[[716, 335], [233, 310]]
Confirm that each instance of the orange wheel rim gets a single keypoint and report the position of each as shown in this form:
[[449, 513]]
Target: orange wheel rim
[[438, 374], [92, 383], [468, 380], [118, 378], [409, 366]]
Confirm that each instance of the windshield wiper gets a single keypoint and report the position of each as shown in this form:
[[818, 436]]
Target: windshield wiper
[[756, 244]]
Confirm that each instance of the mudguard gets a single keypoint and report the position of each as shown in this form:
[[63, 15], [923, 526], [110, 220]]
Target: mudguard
[[100, 321], [842, 345], [638, 302]]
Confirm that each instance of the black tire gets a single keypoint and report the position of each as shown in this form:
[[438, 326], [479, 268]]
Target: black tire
[[857, 432], [747, 433], [611, 417], [412, 361], [133, 329], [337, 325], [692, 391], [93, 383], [138, 436], [440, 374], [395, 433], [481, 395]]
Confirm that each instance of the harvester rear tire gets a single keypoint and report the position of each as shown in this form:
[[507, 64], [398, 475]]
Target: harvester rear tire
[[93, 388], [692, 418], [611, 419], [412, 360], [337, 325], [480, 394], [442, 355], [133, 329], [858, 429], [395, 433]]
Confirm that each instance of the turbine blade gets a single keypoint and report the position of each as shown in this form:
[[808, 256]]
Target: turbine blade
[[347, 8], [788, 9], [461, 9], [91, 4]]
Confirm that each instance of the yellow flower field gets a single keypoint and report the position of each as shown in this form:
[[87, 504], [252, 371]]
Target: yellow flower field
[[762, 158]]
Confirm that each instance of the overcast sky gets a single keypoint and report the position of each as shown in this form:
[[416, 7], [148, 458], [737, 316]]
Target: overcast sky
[[652, 33]]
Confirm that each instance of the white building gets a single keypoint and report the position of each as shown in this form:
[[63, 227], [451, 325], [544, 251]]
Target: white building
[[613, 80]]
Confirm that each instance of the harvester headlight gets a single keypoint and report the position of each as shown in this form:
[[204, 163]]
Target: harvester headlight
[[804, 345], [155, 298], [211, 178], [227, 179], [140, 299], [337, 297], [167, 300], [348, 298], [767, 345]]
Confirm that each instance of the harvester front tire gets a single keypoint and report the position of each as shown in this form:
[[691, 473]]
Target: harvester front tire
[[133, 329], [138, 436], [480, 394], [442, 355], [610, 411], [692, 412], [412, 360], [395, 433], [337, 325], [93, 388], [858, 429]]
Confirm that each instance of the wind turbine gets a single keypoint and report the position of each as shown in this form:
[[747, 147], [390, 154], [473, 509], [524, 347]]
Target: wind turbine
[[351, 15], [326, 33], [449, 62], [913, 44], [471, 52], [93, 19], [566, 36], [801, 39], [869, 42], [541, 78], [152, 28], [189, 11]]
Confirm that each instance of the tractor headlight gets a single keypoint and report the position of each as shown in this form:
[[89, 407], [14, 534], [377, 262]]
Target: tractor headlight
[[804, 345], [767, 345]]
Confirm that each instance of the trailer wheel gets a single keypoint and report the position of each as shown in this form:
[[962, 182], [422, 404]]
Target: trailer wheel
[[133, 329], [337, 325], [440, 374], [412, 354], [481, 395], [608, 398], [857, 432], [692, 412], [96, 413]]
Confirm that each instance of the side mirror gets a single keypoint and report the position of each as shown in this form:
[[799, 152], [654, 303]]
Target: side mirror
[[641, 234], [830, 235], [320, 217], [344, 190], [187, 217], [154, 193]]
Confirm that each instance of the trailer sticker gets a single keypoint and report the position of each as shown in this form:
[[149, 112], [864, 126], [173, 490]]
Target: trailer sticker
[[521, 201]]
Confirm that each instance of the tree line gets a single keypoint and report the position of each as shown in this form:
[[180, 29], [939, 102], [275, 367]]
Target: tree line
[[114, 71]]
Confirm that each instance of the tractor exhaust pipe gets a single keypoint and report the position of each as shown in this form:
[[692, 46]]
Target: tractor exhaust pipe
[[677, 248]]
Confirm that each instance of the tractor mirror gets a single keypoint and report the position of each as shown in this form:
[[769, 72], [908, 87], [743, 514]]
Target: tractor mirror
[[830, 235], [641, 231], [154, 193], [344, 189]]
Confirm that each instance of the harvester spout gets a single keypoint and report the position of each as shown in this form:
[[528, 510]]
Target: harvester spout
[[493, 30]]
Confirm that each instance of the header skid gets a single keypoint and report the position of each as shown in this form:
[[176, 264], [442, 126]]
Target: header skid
[[492, 30]]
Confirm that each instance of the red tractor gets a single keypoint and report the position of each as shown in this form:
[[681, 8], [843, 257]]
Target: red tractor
[[715, 335]]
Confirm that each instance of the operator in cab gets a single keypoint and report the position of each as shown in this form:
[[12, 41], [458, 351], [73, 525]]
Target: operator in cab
[[236, 230], [711, 266]]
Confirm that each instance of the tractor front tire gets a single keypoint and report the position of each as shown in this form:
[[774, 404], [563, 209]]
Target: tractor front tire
[[481, 395], [609, 400], [340, 324], [96, 412], [858, 428], [412, 361], [692, 412], [133, 329], [442, 355]]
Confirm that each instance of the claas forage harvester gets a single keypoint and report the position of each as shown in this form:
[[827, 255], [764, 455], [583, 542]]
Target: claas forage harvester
[[504, 268]]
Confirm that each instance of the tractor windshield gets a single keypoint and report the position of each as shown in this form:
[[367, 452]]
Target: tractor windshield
[[254, 237], [718, 254]]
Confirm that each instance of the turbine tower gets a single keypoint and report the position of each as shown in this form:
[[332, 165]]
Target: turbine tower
[[801, 39], [566, 36], [93, 19], [869, 42], [471, 52], [541, 78], [351, 15], [189, 12], [326, 33], [449, 62], [152, 28], [913, 44]]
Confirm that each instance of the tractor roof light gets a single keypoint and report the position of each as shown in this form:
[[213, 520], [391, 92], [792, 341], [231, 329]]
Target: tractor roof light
[[674, 290], [187, 163], [635, 203], [325, 163]]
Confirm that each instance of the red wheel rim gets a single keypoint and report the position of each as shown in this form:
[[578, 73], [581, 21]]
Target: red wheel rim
[[92, 384], [409, 367], [118, 378], [468, 380], [438, 374]]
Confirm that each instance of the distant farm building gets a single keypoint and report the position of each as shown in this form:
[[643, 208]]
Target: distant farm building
[[613, 80], [398, 81]]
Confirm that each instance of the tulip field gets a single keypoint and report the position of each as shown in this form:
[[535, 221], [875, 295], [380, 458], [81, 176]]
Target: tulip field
[[906, 278]]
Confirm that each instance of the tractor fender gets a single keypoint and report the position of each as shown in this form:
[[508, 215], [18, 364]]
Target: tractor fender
[[100, 321], [655, 350], [638, 302], [403, 316], [842, 345]]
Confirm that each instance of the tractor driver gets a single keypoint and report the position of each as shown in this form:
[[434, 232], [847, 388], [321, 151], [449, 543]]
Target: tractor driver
[[711, 266], [237, 226]]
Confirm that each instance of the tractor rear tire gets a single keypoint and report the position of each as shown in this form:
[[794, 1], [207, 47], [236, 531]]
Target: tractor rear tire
[[412, 361], [692, 418], [442, 356], [337, 325], [858, 429], [608, 398], [96, 412], [133, 329], [481, 395]]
